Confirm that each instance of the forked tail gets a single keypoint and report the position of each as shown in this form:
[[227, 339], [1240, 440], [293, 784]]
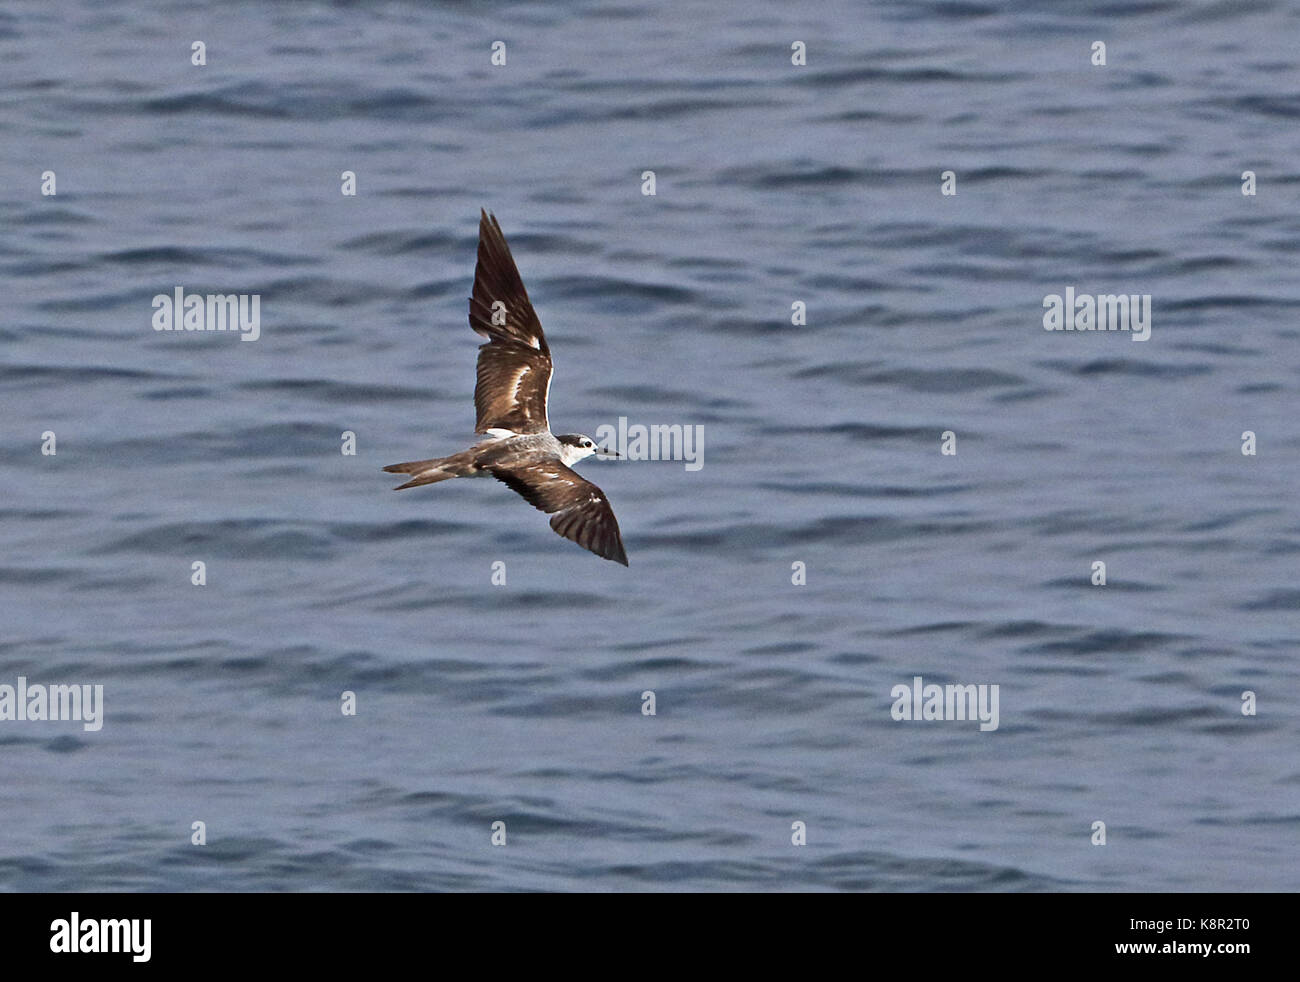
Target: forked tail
[[433, 470]]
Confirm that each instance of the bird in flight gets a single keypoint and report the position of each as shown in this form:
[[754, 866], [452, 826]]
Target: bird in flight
[[514, 380]]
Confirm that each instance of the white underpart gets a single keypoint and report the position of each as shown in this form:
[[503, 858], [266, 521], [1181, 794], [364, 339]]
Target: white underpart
[[500, 433]]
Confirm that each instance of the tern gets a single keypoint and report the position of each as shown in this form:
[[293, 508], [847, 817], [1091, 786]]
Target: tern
[[513, 383]]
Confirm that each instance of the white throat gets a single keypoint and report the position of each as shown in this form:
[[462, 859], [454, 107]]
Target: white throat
[[571, 455]]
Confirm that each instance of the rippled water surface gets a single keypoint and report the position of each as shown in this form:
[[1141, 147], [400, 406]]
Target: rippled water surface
[[775, 184]]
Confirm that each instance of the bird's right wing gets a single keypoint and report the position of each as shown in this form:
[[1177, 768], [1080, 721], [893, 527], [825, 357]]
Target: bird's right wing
[[579, 510]]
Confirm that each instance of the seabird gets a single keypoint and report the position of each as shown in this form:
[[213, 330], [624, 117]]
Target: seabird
[[514, 380]]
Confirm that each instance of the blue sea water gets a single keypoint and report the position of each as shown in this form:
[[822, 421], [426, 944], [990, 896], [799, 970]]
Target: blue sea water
[[522, 703]]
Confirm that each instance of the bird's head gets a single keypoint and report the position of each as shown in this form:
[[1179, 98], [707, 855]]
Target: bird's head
[[575, 447]]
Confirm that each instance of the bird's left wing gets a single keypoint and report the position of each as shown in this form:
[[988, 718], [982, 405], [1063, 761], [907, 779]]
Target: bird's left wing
[[514, 367]]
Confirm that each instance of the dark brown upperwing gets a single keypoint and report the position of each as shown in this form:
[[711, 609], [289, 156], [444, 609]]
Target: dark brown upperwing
[[579, 510], [514, 367]]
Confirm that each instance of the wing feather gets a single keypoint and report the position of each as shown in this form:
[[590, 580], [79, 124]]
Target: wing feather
[[579, 510], [514, 367]]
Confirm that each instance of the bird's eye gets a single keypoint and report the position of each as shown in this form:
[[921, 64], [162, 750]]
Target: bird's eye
[[586, 443]]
